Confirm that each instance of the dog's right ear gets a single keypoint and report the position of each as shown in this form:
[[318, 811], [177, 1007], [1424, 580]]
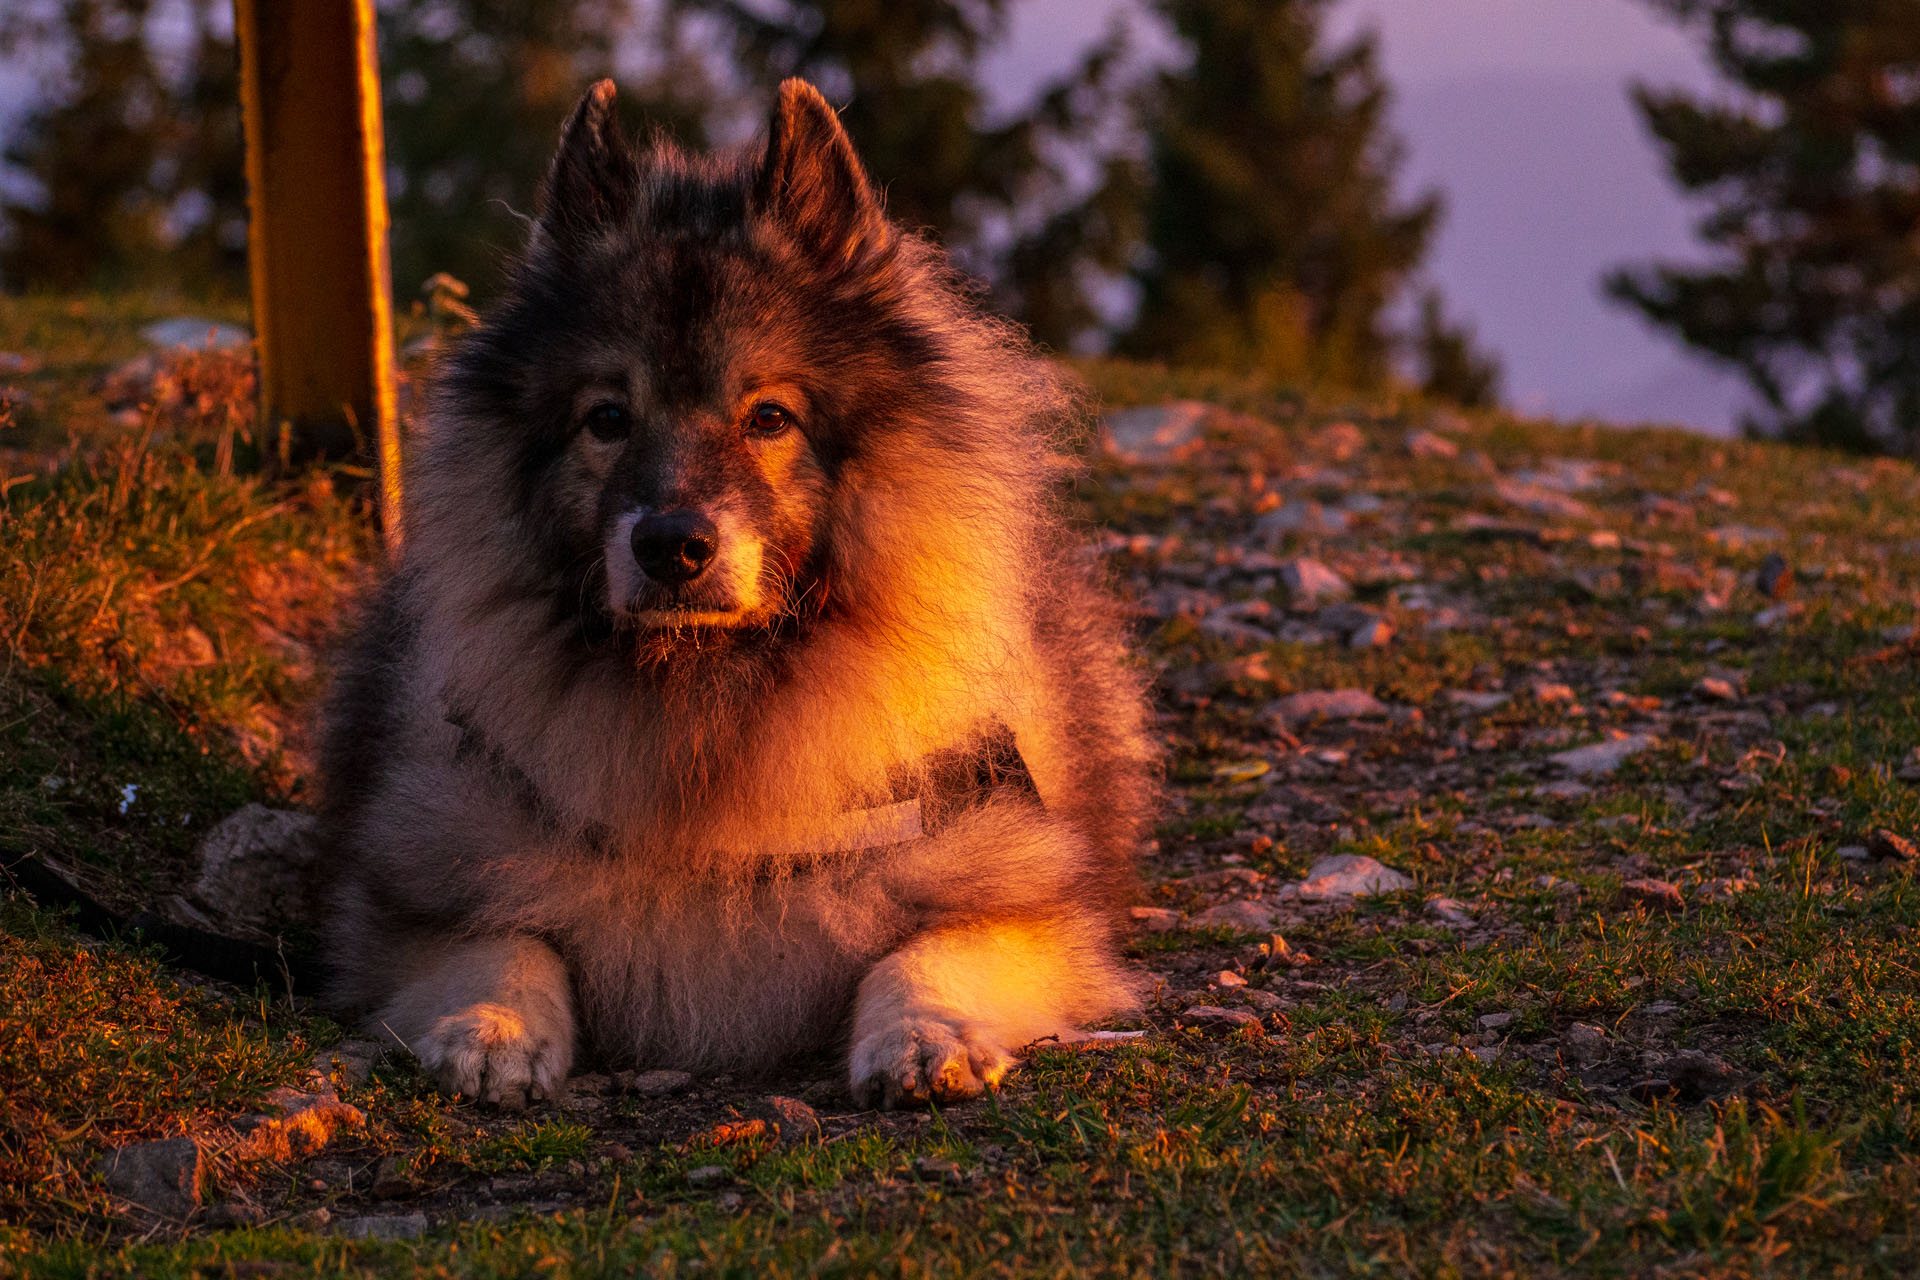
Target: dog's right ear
[[594, 178], [811, 178]]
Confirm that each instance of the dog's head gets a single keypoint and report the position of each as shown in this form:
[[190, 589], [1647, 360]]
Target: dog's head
[[724, 395]]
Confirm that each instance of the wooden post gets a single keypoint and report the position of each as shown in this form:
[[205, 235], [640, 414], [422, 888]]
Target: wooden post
[[317, 233]]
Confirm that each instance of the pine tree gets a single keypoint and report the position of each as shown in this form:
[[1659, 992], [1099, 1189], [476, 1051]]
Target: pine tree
[[1276, 242], [135, 164], [1450, 363], [474, 93], [1812, 168], [906, 77]]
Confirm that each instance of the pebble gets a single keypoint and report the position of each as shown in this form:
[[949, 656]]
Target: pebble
[[1449, 911], [1371, 635], [1309, 582], [1428, 444], [1474, 700], [1228, 978], [396, 1226], [1243, 914], [1347, 875], [1890, 846], [195, 334], [933, 1169], [793, 1121], [1154, 433], [1328, 704], [161, 1177], [1715, 689], [1775, 578], [1601, 758], [1155, 919], [1495, 1021], [1656, 895], [652, 1083], [709, 1175]]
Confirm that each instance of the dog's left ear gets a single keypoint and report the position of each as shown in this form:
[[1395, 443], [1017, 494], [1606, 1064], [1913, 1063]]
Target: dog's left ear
[[811, 178], [594, 178]]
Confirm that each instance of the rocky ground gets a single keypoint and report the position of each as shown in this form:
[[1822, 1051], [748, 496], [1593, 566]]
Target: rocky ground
[[1534, 896]]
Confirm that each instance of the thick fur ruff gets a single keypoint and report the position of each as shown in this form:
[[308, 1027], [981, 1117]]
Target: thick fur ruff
[[575, 805]]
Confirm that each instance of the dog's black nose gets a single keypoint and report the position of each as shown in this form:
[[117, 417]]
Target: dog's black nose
[[675, 546]]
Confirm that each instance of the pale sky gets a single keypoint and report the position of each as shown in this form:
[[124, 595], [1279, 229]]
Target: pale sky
[[1517, 110]]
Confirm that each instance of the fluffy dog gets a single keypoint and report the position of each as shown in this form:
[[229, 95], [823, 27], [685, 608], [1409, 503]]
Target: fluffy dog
[[742, 692]]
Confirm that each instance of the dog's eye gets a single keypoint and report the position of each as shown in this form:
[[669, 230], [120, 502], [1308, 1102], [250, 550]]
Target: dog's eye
[[769, 419], [607, 422]]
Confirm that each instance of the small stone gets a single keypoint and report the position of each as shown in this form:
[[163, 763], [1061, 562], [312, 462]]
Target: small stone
[[1656, 895], [793, 1120], [1309, 582], [1661, 1008], [709, 1175], [1852, 853], [1495, 1021], [395, 1226], [1243, 914], [1565, 789], [1155, 919], [1584, 1037], [1890, 846], [394, 1179], [1154, 433], [729, 1201], [1371, 635], [235, 1214], [1428, 444], [1476, 701], [195, 334], [1601, 758], [1449, 912], [1548, 693], [1208, 1015], [1306, 517], [162, 1177], [350, 1061], [652, 1084], [256, 869], [933, 1169], [1328, 704], [308, 1125], [1715, 689], [1228, 978], [1347, 875], [1775, 578]]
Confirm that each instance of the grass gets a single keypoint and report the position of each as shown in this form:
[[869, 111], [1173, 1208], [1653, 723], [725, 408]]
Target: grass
[[1570, 1083]]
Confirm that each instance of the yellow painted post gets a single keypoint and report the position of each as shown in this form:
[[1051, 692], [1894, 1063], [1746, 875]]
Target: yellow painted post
[[317, 234]]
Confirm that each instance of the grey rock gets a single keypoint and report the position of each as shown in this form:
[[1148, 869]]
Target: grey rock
[[1601, 758], [1540, 500], [382, 1226], [652, 1084], [1371, 635], [1309, 582], [1328, 704], [256, 869], [1154, 433], [1155, 919], [1656, 895], [1244, 914], [1495, 1021], [1304, 516], [709, 1175], [162, 1177], [1891, 846], [1347, 875], [352, 1061], [1477, 701], [933, 1169], [794, 1120], [1429, 444], [195, 334], [1210, 1015], [1449, 911]]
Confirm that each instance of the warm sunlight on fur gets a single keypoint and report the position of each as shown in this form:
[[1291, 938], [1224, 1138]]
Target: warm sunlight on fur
[[733, 539]]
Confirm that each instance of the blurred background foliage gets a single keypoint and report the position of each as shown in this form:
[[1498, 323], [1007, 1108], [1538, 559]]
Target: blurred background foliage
[[1241, 209]]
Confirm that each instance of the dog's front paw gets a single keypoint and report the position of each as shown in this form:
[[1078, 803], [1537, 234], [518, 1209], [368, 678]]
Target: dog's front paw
[[497, 1054], [921, 1060]]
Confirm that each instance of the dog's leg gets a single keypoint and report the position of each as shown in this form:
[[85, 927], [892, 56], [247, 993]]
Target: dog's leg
[[945, 1016], [492, 1018]]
